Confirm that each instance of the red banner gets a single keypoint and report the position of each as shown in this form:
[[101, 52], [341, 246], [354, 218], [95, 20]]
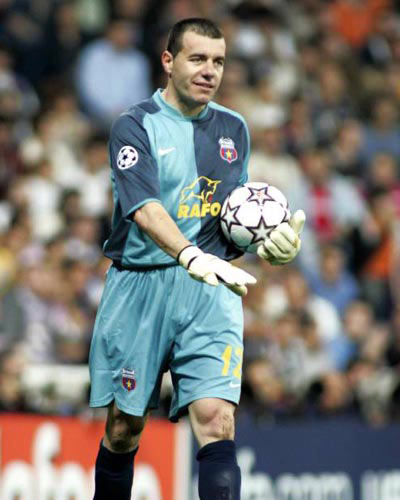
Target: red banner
[[52, 458]]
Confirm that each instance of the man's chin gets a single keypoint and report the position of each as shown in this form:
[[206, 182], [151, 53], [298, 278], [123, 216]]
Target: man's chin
[[198, 100], [203, 96], [203, 99]]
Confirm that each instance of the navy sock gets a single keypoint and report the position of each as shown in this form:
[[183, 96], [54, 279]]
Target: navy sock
[[219, 473], [114, 474]]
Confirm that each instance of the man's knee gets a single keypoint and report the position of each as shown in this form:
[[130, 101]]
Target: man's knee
[[212, 420], [122, 430]]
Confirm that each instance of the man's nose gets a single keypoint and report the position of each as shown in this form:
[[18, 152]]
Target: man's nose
[[208, 68]]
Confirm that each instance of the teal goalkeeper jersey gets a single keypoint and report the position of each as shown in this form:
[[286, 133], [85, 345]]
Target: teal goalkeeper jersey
[[188, 164]]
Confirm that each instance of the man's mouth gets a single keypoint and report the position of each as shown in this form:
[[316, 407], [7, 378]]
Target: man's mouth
[[204, 85]]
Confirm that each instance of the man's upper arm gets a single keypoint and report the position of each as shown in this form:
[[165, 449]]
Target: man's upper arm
[[134, 169]]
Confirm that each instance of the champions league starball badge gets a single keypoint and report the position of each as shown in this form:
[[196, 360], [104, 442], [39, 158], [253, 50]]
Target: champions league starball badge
[[128, 379], [227, 149], [127, 157]]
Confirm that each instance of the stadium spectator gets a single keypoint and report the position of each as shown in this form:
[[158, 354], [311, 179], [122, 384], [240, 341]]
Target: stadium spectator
[[377, 51], [383, 173], [315, 360], [330, 396], [298, 131], [293, 294], [81, 242], [112, 74], [375, 250], [68, 124], [132, 10], [269, 161], [11, 164], [393, 350], [309, 61], [48, 142], [63, 41], [355, 19], [332, 104], [72, 343], [69, 207], [24, 31], [12, 324], [373, 386], [94, 182], [13, 397], [382, 135], [18, 100], [333, 204], [42, 196], [256, 317], [346, 149], [392, 79], [358, 321], [297, 354], [233, 91], [331, 280], [35, 296], [263, 391]]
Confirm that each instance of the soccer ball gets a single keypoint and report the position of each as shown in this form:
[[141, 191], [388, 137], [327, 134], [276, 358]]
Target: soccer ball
[[251, 212]]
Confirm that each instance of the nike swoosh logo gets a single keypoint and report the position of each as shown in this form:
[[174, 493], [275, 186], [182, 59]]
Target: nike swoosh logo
[[234, 385], [163, 152]]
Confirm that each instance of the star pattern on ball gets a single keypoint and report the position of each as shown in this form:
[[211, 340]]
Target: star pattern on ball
[[260, 195], [230, 217], [260, 232]]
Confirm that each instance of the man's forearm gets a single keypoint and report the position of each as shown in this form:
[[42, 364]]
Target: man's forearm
[[156, 222]]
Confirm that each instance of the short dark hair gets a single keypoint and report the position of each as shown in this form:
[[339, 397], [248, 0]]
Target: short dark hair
[[198, 25]]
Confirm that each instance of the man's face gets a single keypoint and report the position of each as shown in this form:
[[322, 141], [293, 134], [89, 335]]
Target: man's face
[[196, 71]]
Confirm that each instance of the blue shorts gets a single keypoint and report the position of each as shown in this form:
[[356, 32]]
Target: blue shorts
[[152, 321]]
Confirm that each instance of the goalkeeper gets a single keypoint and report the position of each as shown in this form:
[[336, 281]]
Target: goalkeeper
[[172, 300]]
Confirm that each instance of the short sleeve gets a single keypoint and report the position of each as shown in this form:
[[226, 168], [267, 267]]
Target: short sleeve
[[245, 176], [135, 171]]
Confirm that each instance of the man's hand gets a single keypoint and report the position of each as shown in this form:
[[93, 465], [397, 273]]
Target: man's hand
[[213, 271], [283, 243]]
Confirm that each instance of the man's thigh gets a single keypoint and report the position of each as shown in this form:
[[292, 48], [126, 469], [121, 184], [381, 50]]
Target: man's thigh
[[206, 360], [131, 341]]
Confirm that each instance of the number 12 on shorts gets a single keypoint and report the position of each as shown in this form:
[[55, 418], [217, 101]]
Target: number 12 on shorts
[[226, 358]]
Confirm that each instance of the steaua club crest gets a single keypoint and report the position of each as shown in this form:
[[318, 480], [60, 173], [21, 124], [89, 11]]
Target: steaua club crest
[[227, 149], [128, 379]]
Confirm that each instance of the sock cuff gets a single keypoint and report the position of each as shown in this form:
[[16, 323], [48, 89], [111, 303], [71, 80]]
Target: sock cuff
[[116, 460], [219, 451]]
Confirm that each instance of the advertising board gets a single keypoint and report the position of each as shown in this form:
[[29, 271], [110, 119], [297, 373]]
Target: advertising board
[[53, 458]]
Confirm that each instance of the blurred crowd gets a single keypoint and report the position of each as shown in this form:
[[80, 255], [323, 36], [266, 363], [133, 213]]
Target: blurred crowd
[[318, 82]]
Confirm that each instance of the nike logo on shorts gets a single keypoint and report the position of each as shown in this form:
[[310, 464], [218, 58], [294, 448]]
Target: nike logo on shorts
[[163, 152], [233, 385]]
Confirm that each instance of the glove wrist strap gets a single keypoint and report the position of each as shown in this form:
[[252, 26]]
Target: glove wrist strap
[[187, 255]]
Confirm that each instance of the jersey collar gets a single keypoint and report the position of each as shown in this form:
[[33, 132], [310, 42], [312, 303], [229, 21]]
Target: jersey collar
[[171, 111]]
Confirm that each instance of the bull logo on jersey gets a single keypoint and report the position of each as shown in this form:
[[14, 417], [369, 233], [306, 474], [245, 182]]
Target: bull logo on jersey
[[207, 188], [196, 199], [128, 379], [227, 149]]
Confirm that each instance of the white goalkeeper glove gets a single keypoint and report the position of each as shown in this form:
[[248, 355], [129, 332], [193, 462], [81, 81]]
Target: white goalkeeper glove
[[213, 270], [283, 243]]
